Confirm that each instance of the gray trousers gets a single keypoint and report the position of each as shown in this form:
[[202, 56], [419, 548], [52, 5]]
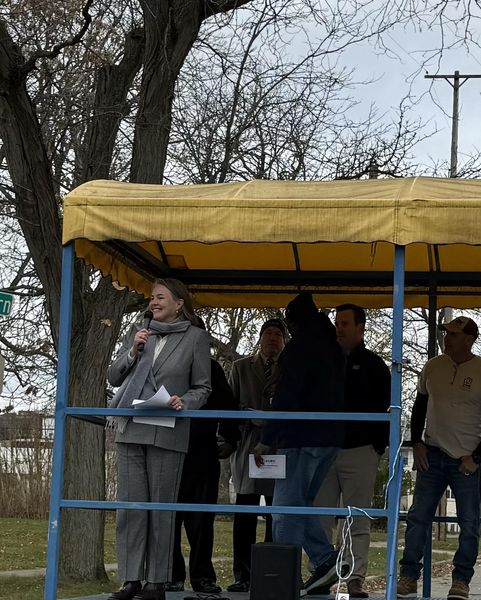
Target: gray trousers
[[350, 482], [145, 538]]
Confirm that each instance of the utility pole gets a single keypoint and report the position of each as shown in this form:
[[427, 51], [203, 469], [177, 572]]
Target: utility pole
[[457, 83], [441, 528]]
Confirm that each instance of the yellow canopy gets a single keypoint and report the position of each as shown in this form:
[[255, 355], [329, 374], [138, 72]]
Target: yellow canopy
[[258, 243]]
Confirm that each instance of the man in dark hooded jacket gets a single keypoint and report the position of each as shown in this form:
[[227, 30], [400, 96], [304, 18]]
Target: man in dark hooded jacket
[[311, 380]]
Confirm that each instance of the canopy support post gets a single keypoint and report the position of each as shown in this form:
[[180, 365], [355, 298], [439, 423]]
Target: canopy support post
[[432, 320], [61, 404], [395, 462], [432, 339]]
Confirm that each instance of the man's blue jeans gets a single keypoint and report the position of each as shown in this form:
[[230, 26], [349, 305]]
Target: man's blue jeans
[[430, 485], [305, 471]]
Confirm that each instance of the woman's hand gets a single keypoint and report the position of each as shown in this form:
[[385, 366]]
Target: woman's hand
[[176, 403], [141, 337]]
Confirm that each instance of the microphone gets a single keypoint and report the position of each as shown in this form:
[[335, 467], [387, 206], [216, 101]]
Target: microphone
[[148, 316]]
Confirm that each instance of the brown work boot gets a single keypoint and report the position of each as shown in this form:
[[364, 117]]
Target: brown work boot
[[407, 587], [459, 590], [355, 589]]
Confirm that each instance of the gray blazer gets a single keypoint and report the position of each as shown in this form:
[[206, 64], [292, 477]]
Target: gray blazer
[[251, 390], [183, 367]]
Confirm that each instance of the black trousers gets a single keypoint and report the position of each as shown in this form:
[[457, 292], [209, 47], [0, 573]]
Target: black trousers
[[200, 485], [245, 528]]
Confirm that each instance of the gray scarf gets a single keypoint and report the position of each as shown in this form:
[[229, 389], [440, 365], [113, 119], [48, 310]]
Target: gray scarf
[[140, 382]]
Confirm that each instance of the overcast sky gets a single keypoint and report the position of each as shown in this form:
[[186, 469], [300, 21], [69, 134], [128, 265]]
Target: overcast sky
[[397, 76]]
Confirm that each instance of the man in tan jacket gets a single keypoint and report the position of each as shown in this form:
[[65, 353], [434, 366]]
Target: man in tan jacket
[[252, 380]]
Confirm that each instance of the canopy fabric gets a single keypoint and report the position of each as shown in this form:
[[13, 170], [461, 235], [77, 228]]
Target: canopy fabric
[[257, 243]]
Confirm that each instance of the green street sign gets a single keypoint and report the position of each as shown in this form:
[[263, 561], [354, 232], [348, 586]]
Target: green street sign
[[6, 303]]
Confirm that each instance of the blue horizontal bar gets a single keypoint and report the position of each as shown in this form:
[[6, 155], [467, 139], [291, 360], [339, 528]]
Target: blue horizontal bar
[[222, 508], [231, 414], [436, 519]]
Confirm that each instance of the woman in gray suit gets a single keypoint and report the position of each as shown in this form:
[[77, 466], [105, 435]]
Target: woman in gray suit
[[174, 353]]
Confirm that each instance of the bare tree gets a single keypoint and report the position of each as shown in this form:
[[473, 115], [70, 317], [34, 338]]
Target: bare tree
[[80, 80], [34, 159]]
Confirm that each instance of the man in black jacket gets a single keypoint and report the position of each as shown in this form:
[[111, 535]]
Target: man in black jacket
[[200, 484], [311, 380], [351, 479]]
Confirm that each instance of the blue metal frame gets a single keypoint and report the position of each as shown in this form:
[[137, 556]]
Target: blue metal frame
[[62, 411], [427, 566], [395, 462], [63, 369]]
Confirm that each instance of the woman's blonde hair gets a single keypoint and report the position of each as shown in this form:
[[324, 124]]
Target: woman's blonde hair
[[179, 292]]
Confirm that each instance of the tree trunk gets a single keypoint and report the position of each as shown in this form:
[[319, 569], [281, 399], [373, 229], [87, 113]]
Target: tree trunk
[[29, 168], [113, 83], [96, 315], [95, 330], [82, 532], [171, 28]]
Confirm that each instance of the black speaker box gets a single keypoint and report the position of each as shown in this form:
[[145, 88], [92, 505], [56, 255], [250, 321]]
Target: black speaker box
[[275, 572]]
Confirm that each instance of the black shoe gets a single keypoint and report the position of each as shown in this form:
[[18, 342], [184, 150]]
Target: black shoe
[[127, 591], [325, 575], [207, 586], [174, 586], [151, 591], [324, 590], [239, 586]]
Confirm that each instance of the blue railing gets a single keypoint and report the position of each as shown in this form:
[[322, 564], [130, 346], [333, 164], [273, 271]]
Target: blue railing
[[62, 411]]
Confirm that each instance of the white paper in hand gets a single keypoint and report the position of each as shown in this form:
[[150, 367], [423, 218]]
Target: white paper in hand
[[159, 400], [274, 467]]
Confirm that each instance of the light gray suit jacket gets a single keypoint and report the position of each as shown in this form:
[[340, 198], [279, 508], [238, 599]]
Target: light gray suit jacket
[[183, 367], [251, 390]]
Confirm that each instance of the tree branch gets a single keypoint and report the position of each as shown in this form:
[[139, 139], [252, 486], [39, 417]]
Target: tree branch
[[214, 7], [31, 62]]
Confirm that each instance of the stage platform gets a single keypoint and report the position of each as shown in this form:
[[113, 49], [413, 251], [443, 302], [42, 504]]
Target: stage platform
[[190, 594], [230, 596], [439, 590], [246, 596]]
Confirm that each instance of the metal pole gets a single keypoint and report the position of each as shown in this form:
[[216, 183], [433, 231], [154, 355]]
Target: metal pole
[[432, 321], [59, 435], [453, 170], [427, 566], [454, 130], [395, 462]]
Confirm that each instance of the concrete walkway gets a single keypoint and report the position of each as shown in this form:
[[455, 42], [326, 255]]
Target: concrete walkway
[[40, 572]]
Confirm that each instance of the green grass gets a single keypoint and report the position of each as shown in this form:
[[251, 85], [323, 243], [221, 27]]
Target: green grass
[[31, 588], [23, 545], [450, 544]]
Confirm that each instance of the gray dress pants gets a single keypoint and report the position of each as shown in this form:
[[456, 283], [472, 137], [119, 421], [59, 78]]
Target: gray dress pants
[[145, 538]]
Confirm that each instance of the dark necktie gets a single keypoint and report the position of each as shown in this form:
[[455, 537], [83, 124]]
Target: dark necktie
[[268, 368]]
